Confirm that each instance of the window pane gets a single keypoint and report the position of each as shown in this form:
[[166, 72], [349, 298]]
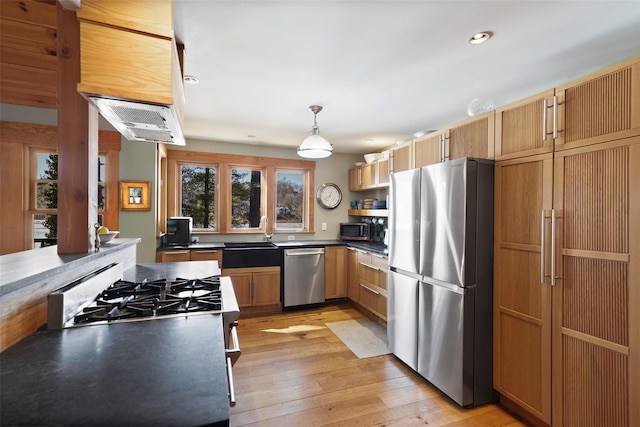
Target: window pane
[[46, 195], [102, 191], [101, 163], [245, 198], [47, 166], [290, 200], [45, 230], [198, 195]]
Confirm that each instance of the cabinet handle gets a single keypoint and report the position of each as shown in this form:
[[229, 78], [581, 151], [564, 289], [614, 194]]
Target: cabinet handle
[[373, 267], [553, 247], [545, 105], [542, 246], [369, 289], [359, 177], [555, 116], [441, 147], [207, 252], [172, 253]]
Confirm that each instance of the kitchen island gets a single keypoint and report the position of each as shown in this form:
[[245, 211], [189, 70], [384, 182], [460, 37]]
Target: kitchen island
[[168, 372], [162, 371]]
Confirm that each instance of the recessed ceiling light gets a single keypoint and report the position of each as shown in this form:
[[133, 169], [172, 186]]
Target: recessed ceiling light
[[368, 140], [480, 37], [191, 80]]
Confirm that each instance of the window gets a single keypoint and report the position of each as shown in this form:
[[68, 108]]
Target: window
[[198, 195], [44, 200], [290, 200], [246, 198], [45, 222], [226, 193]]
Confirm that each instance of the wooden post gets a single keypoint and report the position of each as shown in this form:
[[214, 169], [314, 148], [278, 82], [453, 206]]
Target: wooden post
[[77, 144]]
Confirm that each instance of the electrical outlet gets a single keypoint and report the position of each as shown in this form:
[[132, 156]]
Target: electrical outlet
[[291, 237], [324, 226]]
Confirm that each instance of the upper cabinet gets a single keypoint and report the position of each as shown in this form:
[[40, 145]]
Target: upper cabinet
[[473, 137], [402, 158], [369, 176], [596, 108], [130, 67]]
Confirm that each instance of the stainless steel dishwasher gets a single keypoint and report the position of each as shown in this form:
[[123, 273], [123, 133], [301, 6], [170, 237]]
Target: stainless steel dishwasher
[[303, 276]]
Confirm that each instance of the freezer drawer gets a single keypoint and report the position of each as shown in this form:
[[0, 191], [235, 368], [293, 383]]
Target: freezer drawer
[[303, 276], [402, 318], [445, 342]]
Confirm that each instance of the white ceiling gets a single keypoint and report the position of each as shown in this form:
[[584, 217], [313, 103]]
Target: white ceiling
[[382, 70]]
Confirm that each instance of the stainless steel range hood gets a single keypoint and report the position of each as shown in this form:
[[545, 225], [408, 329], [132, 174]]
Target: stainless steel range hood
[[138, 121]]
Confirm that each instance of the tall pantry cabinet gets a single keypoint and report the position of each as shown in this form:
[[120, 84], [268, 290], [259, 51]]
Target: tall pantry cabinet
[[567, 249]]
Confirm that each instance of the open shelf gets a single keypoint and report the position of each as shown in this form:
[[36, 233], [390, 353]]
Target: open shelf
[[369, 212]]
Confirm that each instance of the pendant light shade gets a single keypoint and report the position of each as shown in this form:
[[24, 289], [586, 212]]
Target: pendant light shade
[[315, 146]]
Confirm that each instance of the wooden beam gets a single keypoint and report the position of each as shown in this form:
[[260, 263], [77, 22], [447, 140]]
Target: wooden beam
[[77, 144]]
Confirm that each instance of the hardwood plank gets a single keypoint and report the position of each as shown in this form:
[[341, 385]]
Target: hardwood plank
[[294, 371]]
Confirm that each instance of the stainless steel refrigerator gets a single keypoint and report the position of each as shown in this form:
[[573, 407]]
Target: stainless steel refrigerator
[[440, 287]]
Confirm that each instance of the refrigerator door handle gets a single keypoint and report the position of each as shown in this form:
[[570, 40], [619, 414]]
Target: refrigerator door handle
[[448, 286]]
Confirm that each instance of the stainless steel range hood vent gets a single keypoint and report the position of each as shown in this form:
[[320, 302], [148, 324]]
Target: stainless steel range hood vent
[[138, 121]]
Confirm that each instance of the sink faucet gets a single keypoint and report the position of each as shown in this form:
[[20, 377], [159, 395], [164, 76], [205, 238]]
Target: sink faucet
[[264, 220]]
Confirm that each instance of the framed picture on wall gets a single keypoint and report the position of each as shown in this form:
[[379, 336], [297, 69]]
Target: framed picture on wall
[[135, 195]]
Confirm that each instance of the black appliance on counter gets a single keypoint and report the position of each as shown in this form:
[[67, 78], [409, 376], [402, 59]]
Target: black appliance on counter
[[178, 231]]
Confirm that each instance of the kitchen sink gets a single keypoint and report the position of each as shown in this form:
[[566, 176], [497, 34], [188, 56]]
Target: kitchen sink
[[251, 254]]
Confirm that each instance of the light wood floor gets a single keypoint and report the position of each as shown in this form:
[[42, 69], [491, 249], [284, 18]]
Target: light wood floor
[[295, 372]]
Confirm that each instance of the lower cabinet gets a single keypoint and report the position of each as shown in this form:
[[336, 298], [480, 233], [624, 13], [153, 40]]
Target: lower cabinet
[[335, 272], [255, 287], [367, 287]]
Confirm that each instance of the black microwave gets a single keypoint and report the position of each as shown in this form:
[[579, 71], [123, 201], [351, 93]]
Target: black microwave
[[355, 231]]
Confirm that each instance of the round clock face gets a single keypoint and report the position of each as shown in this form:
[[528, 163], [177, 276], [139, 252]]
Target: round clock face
[[329, 196]]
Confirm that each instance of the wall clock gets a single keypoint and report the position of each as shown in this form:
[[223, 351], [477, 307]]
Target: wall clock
[[329, 195]]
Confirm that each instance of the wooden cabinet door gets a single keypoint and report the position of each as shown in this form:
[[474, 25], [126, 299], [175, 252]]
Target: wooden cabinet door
[[429, 150], [266, 287], [382, 172], [335, 272], [473, 138], [596, 297], [175, 256], [525, 127], [401, 158], [352, 274], [367, 177], [600, 107], [241, 285], [354, 179], [522, 291]]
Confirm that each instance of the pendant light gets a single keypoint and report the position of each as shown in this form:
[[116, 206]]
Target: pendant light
[[315, 146]]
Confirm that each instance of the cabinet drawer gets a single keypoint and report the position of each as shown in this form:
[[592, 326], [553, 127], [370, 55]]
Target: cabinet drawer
[[373, 300], [207, 255], [380, 261], [174, 256]]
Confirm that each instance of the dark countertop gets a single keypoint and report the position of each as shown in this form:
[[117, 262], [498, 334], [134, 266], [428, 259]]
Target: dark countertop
[[159, 372], [291, 244]]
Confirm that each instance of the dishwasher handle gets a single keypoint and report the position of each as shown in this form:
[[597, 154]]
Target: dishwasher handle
[[286, 253]]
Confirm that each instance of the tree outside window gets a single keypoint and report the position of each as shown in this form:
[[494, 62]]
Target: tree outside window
[[198, 195], [289, 200]]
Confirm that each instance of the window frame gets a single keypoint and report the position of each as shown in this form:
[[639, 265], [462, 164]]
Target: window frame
[[224, 164], [307, 190]]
